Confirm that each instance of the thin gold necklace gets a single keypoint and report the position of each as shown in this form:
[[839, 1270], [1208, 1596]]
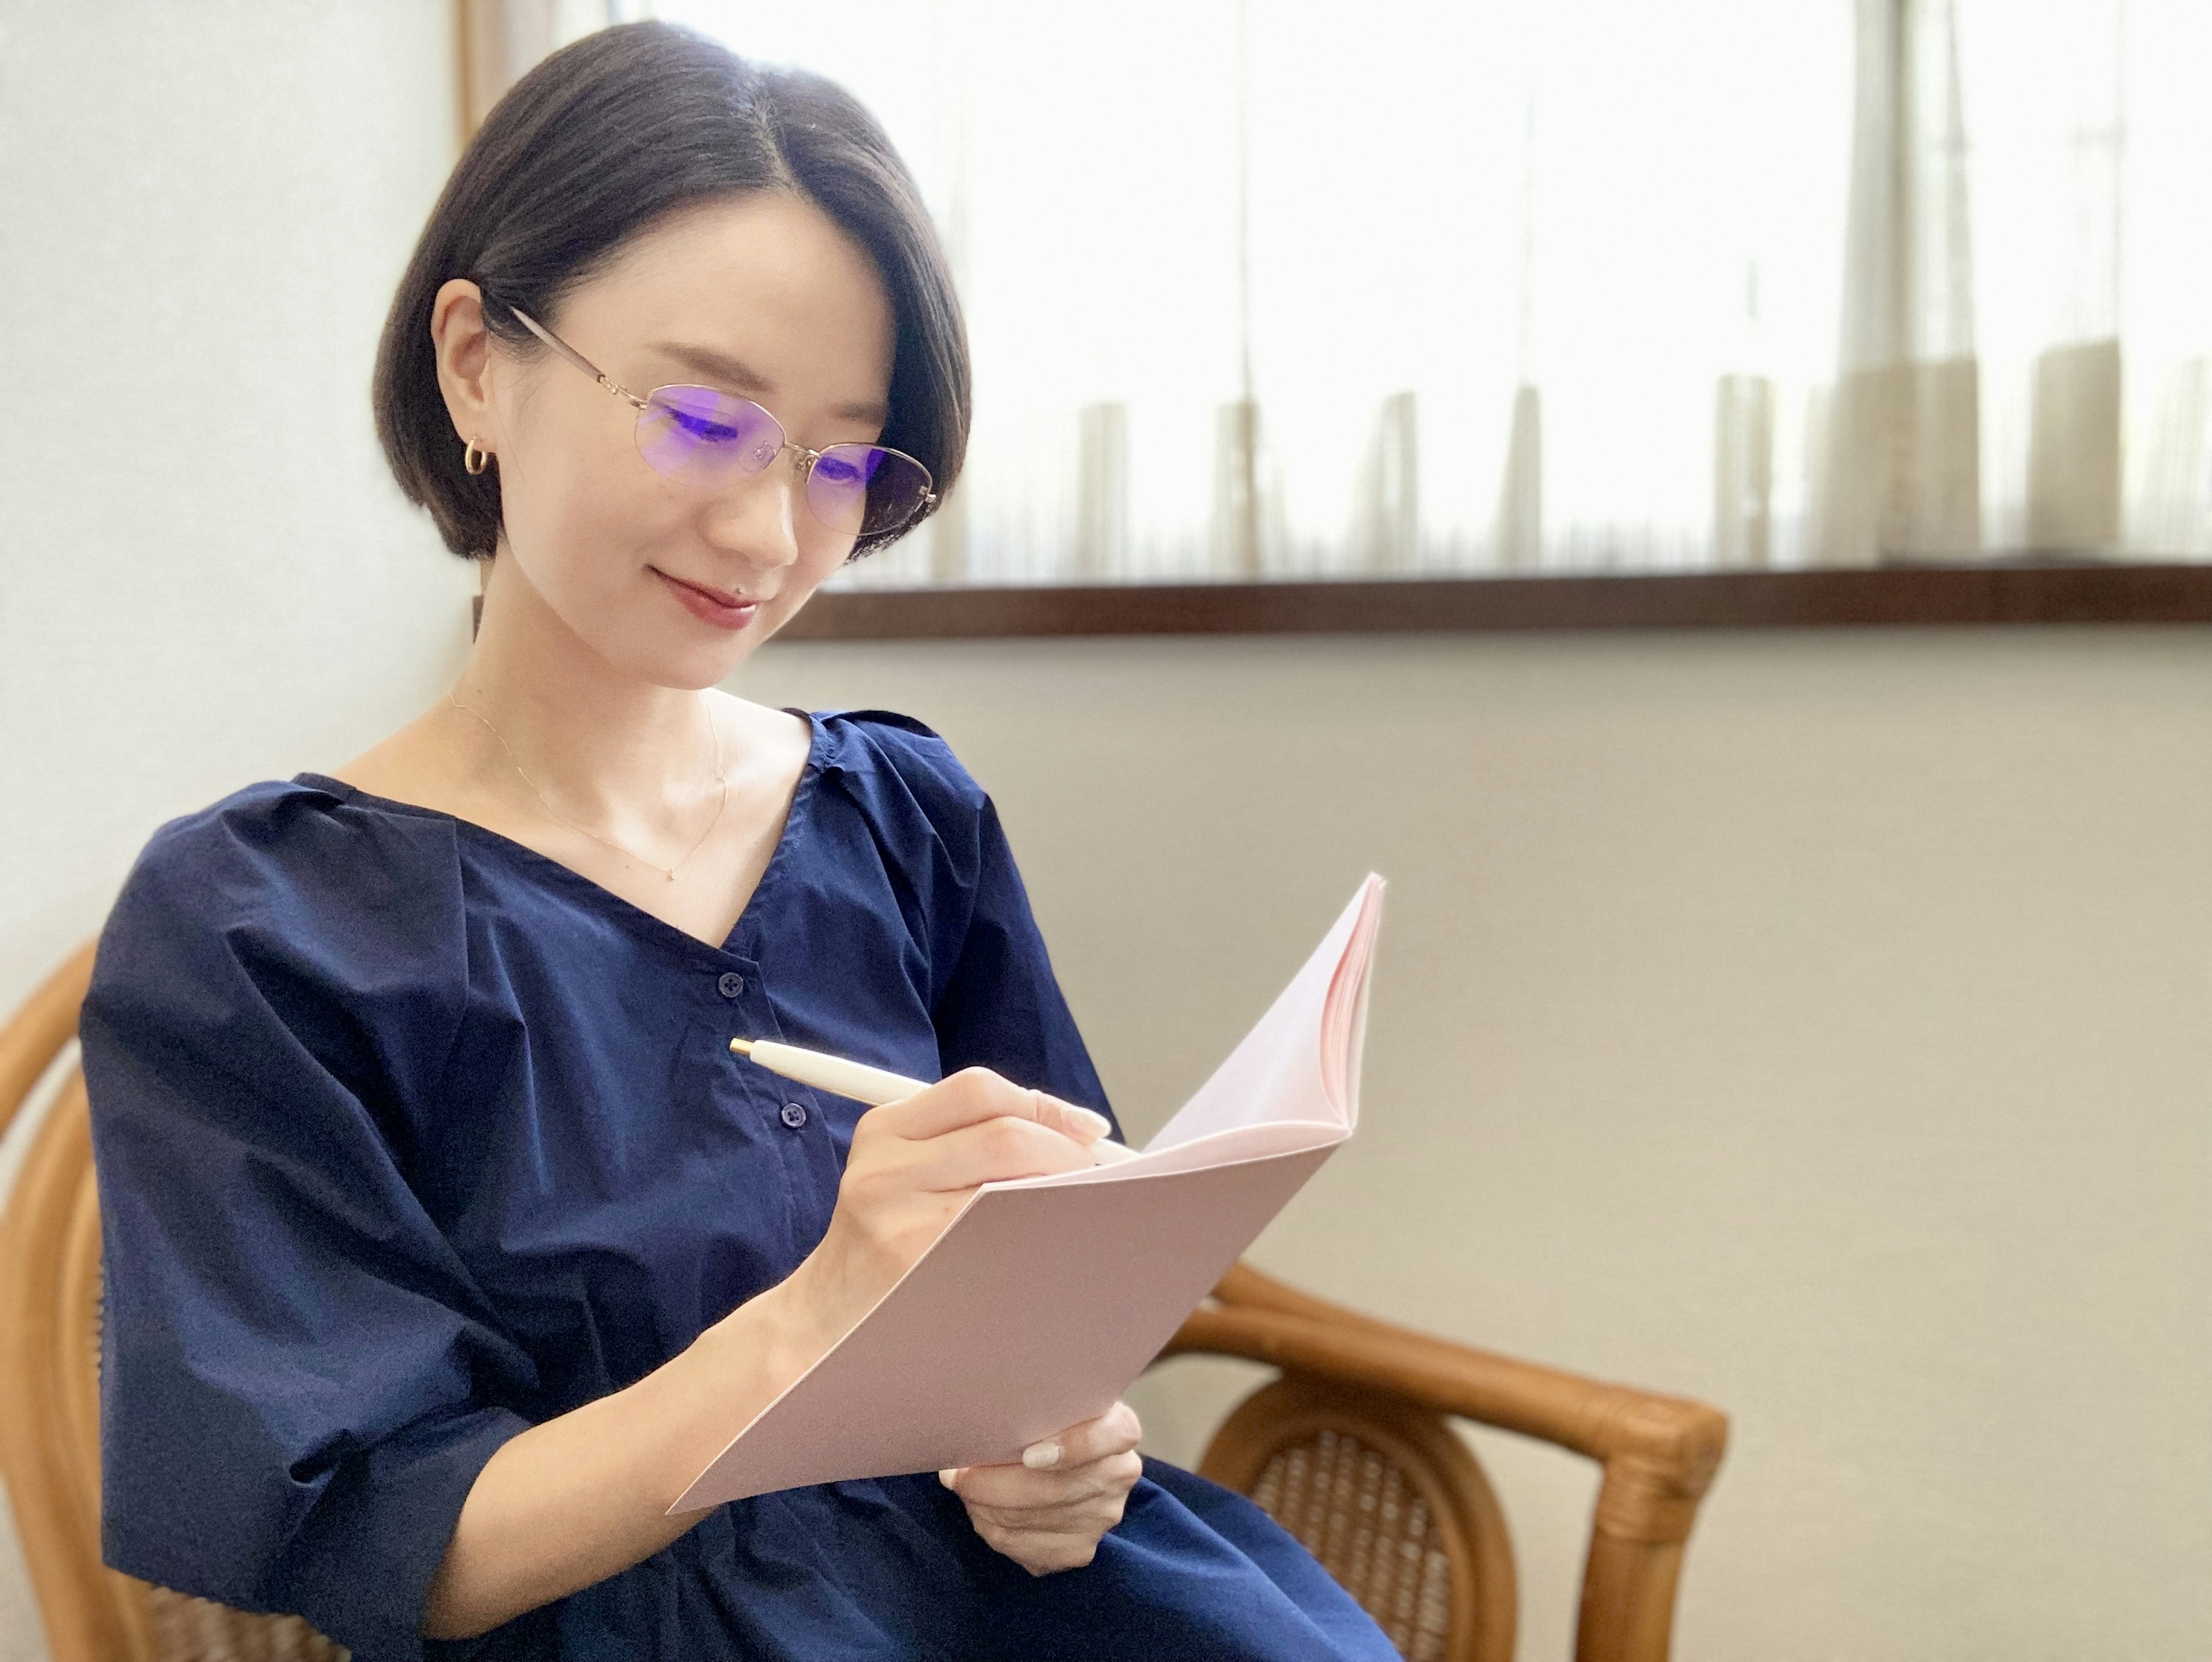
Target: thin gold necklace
[[721, 778]]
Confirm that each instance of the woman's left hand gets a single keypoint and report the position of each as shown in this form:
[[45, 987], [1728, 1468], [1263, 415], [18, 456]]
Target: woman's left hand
[[1047, 1512]]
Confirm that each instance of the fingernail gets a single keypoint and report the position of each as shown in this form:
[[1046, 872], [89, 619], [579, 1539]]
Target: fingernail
[[1084, 1120], [945, 1476], [1042, 1456]]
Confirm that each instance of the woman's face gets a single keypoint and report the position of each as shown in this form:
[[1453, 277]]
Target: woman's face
[[762, 295]]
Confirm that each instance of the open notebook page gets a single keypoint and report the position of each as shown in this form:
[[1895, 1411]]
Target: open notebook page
[[1292, 1081]]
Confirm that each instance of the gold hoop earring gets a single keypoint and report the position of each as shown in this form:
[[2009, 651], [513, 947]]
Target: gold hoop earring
[[473, 460]]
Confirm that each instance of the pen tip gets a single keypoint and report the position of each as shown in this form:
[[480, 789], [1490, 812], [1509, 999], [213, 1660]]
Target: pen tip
[[743, 1047]]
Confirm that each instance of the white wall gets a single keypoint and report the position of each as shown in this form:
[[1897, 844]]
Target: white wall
[[1813, 1023], [206, 577]]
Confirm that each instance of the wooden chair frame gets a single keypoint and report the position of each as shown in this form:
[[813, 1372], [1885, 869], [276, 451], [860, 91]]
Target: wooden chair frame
[[1659, 1453], [90, 1611], [1384, 1385]]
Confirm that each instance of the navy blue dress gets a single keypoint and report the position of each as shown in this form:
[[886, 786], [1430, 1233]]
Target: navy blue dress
[[409, 1137]]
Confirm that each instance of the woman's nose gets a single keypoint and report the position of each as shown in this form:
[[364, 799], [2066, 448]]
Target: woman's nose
[[758, 517]]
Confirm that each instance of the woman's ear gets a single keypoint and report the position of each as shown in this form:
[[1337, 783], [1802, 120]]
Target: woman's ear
[[464, 349]]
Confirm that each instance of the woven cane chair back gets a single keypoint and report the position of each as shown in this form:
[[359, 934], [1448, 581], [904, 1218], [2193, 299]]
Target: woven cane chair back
[[1392, 1503]]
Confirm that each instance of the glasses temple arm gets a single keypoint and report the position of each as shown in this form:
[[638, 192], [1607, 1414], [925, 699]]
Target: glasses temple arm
[[575, 357]]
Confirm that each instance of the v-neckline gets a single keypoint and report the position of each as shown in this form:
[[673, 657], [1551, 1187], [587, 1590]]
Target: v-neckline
[[779, 857]]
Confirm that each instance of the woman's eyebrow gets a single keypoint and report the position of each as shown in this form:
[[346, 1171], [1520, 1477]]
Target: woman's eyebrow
[[733, 372]]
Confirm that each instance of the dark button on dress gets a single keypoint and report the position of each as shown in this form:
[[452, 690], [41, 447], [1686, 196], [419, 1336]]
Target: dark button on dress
[[409, 1138]]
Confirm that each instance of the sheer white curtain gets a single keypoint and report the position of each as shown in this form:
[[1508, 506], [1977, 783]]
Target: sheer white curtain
[[1431, 286], [2091, 130]]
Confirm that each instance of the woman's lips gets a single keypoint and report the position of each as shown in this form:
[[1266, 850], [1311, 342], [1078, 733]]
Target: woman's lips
[[710, 605]]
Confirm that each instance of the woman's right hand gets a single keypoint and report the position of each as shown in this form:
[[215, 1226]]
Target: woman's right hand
[[913, 1165], [574, 1500]]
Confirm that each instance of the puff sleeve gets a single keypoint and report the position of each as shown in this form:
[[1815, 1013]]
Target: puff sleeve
[[300, 1381]]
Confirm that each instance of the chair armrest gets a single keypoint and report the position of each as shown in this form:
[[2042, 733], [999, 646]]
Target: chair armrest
[[1660, 1452]]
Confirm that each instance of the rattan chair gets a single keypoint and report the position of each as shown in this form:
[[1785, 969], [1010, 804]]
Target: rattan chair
[[1352, 1448]]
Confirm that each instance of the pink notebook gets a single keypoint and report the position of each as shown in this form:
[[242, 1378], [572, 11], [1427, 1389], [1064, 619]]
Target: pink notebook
[[979, 1351]]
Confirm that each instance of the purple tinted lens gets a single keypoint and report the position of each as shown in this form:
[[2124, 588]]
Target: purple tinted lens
[[698, 434], [865, 490]]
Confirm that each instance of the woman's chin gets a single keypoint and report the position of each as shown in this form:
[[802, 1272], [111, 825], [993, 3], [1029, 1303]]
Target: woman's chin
[[683, 658]]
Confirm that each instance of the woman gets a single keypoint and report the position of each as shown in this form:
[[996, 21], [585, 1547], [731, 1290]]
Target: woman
[[446, 1241]]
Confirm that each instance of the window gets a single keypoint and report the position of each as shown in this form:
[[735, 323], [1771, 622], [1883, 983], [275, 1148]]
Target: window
[[1265, 290]]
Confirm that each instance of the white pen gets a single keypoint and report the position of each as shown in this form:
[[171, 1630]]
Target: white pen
[[873, 1086]]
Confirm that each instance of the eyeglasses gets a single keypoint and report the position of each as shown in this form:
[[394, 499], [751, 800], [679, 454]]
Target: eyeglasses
[[705, 437]]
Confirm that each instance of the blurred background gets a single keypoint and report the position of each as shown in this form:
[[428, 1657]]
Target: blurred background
[[1812, 1021]]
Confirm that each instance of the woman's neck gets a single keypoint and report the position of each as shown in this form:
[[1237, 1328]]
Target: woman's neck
[[604, 747]]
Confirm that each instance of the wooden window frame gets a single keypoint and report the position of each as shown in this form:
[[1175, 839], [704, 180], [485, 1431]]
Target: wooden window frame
[[1955, 595]]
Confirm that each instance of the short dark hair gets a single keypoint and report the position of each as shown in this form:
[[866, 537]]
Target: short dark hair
[[599, 143]]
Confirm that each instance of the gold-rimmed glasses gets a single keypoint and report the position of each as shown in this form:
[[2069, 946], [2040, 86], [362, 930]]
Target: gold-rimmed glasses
[[707, 437]]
